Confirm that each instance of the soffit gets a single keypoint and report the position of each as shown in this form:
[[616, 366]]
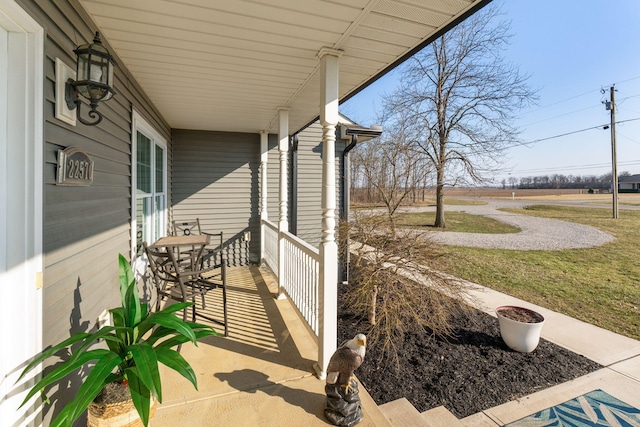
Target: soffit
[[228, 65]]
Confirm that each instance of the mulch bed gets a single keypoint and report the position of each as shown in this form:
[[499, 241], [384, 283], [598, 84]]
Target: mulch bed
[[468, 373]]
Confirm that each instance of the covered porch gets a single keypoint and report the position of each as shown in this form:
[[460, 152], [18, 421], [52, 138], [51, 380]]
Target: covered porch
[[206, 92]]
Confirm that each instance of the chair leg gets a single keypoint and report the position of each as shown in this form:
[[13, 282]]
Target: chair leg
[[224, 309], [200, 287], [223, 272]]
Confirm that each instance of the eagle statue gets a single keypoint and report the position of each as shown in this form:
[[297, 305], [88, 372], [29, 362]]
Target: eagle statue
[[346, 359]]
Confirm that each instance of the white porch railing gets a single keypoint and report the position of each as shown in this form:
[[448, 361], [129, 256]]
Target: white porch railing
[[300, 274], [270, 245], [300, 277]]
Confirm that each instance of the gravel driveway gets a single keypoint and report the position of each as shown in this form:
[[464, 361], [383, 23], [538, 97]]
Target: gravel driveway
[[537, 233]]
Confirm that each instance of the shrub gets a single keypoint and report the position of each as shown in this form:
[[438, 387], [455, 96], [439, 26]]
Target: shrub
[[390, 286]]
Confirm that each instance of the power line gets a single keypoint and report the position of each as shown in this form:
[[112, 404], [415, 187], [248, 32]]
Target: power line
[[556, 136], [576, 167], [569, 133], [576, 111], [577, 96], [560, 115], [624, 81], [627, 138], [562, 100], [626, 98], [582, 94]]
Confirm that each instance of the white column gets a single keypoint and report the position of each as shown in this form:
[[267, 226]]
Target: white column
[[328, 283], [283, 149], [283, 223], [264, 214], [264, 159]]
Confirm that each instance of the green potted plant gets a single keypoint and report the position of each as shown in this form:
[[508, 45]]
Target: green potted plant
[[136, 342]]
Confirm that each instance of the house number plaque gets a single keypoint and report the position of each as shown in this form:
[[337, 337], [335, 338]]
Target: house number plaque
[[75, 167]]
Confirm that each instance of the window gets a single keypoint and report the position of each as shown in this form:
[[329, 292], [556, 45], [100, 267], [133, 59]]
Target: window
[[150, 177]]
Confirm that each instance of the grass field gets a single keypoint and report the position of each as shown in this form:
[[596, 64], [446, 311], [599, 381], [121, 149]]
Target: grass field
[[598, 285]]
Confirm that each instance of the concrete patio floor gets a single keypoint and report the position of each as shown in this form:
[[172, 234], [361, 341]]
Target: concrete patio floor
[[261, 375]]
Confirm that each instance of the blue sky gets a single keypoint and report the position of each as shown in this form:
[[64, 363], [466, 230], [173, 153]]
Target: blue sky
[[572, 49]]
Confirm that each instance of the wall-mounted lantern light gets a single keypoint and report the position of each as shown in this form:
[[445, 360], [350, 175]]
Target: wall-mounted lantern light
[[94, 79]]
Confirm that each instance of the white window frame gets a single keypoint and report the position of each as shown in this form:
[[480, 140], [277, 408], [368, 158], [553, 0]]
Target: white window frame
[[139, 124]]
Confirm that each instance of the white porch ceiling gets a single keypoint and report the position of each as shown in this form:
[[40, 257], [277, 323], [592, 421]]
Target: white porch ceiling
[[229, 64]]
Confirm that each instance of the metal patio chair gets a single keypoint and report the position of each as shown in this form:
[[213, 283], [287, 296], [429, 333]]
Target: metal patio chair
[[184, 281], [213, 252]]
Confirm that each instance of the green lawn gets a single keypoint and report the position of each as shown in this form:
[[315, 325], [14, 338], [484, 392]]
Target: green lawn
[[598, 285], [461, 202], [429, 202]]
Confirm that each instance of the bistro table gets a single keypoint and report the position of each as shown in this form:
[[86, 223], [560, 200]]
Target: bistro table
[[173, 243]]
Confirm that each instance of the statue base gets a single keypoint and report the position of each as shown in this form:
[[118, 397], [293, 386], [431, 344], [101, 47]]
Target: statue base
[[341, 408]]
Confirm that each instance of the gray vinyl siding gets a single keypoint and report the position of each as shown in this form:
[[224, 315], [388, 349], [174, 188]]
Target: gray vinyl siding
[[309, 183], [84, 227], [216, 179]]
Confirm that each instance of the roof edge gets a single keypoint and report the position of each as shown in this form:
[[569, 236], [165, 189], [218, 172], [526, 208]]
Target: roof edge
[[473, 9]]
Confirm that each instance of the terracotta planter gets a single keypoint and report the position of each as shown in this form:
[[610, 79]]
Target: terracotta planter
[[520, 327]]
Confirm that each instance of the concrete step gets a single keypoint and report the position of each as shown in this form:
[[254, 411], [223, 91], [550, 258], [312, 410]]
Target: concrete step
[[373, 413], [402, 413], [440, 417]]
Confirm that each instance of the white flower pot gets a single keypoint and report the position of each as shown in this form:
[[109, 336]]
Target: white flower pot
[[522, 336]]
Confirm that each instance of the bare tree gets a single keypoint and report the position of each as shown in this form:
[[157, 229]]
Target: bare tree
[[459, 96], [391, 167]]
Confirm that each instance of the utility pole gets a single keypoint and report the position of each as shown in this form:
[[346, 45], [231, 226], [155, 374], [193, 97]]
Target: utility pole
[[611, 105]]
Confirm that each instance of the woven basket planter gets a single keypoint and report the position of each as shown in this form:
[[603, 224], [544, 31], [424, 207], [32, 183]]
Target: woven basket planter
[[120, 414]]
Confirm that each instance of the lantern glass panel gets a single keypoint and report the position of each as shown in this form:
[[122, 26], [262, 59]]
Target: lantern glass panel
[[97, 71], [83, 67], [110, 74]]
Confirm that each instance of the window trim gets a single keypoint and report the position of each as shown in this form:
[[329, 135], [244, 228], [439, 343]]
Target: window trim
[[140, 124]]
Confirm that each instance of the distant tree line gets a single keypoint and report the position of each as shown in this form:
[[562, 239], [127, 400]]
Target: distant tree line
[[558, 181]]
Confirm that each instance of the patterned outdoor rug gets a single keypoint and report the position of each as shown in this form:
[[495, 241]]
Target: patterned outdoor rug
[[595, 408]]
